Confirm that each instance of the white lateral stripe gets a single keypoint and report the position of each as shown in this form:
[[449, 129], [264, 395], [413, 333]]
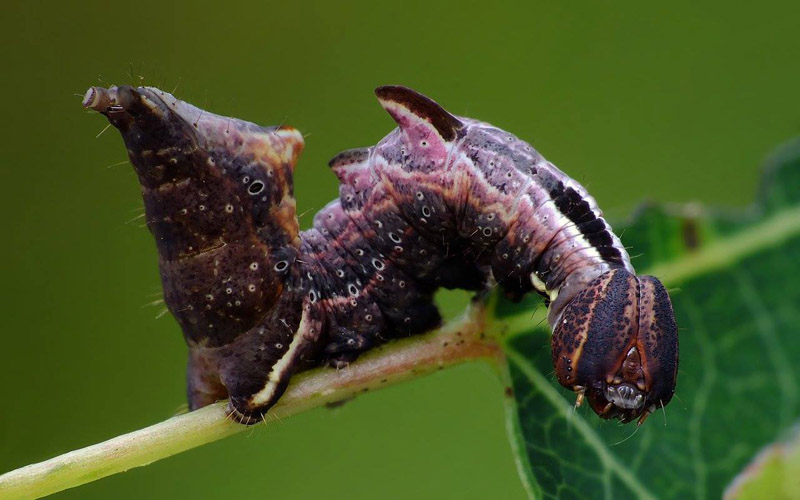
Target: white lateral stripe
[[278, 371], [566, 225]]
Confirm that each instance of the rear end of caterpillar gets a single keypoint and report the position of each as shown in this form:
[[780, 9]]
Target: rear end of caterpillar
[[218, 199]]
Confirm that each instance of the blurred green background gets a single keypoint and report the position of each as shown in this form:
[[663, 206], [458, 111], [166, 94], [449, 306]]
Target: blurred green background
[[673, 102]]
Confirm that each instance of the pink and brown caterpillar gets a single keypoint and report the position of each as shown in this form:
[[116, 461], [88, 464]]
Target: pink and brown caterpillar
[[442, 201]]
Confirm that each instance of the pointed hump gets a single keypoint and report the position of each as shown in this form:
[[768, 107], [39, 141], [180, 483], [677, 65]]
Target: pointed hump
[[350, 164], [409, 108]]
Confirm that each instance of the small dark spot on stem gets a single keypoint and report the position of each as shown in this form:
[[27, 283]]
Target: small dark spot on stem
[[691, 234]]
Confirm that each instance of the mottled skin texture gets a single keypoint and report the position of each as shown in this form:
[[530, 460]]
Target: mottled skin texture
[[441, 201]]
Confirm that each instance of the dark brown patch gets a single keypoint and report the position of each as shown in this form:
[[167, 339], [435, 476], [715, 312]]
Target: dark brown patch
[[446, 124], [690, 233], [658, 337]]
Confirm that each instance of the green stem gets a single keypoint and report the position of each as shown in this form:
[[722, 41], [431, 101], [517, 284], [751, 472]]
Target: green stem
[[461, 340]]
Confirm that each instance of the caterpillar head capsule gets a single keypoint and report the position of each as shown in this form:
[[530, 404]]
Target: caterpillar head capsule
[[616, 344]]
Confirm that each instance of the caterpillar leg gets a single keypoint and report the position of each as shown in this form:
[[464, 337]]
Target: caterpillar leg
[[346, 345], [458, 273], [253, 371], [255, 385], [203, 385]]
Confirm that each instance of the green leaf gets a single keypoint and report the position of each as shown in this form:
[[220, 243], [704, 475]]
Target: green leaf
[[774, 473], [735, 283]]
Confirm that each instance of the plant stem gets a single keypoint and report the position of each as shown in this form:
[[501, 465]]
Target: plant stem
[[461, 340]]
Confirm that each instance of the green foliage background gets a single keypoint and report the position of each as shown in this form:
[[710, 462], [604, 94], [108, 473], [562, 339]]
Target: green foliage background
[[670, 102]]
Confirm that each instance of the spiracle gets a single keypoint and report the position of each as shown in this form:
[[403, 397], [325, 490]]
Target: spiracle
[[441, 201]]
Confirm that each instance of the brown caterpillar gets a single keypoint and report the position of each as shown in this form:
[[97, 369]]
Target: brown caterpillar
[[442, 201]]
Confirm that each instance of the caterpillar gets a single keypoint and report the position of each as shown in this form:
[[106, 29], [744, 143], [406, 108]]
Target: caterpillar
[[441, 201]]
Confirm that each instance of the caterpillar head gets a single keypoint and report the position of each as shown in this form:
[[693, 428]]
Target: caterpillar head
[[616, 344]]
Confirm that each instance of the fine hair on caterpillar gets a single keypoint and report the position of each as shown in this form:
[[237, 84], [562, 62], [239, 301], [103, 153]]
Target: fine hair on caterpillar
[[441, 201]]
